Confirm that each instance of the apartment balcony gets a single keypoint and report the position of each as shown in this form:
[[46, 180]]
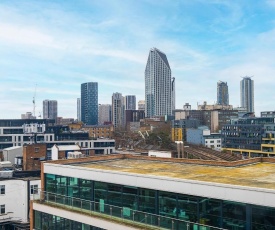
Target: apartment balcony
[[119, 215]]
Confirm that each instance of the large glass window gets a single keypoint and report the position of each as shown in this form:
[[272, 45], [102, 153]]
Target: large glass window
[[210, 211], [2, 189], [234, 215], [263, 218], [188, 208]]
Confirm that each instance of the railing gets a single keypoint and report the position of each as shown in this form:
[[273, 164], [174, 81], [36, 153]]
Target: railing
[[128, 215]]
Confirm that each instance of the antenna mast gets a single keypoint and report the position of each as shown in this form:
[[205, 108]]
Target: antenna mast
[[33, 100]]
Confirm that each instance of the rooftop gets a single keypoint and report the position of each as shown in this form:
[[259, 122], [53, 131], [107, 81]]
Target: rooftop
[[251, 173]]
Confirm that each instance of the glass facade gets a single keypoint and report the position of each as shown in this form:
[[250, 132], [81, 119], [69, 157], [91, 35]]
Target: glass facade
[[45, 221], [125, 199]]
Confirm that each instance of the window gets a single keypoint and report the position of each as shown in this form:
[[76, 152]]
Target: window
[[36, 150], [2, 209], [34, 189], [2, 189]]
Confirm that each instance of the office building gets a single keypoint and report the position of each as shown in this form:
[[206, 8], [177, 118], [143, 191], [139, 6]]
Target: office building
[[135, 192], [247, 94], [222, 93], [50, 109], [250, 136], [118, 111], [89, 103], [158, 85], [104, 114], [78, 109], [130, 102]]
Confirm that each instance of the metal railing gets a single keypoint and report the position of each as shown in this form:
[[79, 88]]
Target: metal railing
[[127, 214]]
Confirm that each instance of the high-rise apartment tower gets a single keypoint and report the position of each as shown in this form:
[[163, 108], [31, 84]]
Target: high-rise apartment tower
[[247, 94], [89, 103], [78, 109], [222, 93], [159, 97], [49, 109], [118, 110]]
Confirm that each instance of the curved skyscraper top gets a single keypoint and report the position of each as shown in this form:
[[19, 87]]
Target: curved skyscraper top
[[159, 93]]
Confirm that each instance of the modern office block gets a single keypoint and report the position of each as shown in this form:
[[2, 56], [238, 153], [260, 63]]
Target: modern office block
[[247, 94], [89, 103], [222, 93], [49, 109], [151, 192], [159, 98], [130, 102]]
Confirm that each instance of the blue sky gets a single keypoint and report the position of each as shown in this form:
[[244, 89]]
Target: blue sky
[[60, 44]]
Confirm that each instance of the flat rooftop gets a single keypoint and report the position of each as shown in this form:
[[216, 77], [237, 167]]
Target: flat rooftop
[[259, 174]]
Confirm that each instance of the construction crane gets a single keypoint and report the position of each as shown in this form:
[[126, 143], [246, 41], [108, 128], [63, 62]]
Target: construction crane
[[33, 100]]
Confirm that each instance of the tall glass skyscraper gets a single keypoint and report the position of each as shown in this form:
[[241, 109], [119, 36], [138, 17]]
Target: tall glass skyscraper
[[247, 94], [222, 93], [89, 103], [158, 85]]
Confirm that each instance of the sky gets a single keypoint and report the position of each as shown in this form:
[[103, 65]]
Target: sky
[[48, 48]]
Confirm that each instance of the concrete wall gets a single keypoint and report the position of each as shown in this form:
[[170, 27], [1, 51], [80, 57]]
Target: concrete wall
[[9, 154]]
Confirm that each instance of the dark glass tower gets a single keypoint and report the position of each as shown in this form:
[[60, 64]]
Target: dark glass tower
[[89, 103], [222, 93]]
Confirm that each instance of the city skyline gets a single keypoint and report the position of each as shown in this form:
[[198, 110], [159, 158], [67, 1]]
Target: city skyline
[[59, 45]]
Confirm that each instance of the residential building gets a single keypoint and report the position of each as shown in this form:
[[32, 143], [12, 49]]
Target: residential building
[[118, 111], [136, 192], [78, 109], [89, 103], [50, 109], [99, 131], [222, 93], [104, 114], [141, 105], [158, 85], [33, 155], [130, 102], [205, 106], [250, 136], [247, 94], [16, 191], [173, 94]]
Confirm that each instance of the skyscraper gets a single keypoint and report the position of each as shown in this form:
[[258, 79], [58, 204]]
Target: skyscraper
[[49, 109], [158, 85], [118, 110], [104, 114], [222, 93], [78, 109], [89, 103], [141, 105], [247, 94], [130, 102]]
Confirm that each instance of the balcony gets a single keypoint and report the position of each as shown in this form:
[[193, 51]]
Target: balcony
[[122, 215]]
